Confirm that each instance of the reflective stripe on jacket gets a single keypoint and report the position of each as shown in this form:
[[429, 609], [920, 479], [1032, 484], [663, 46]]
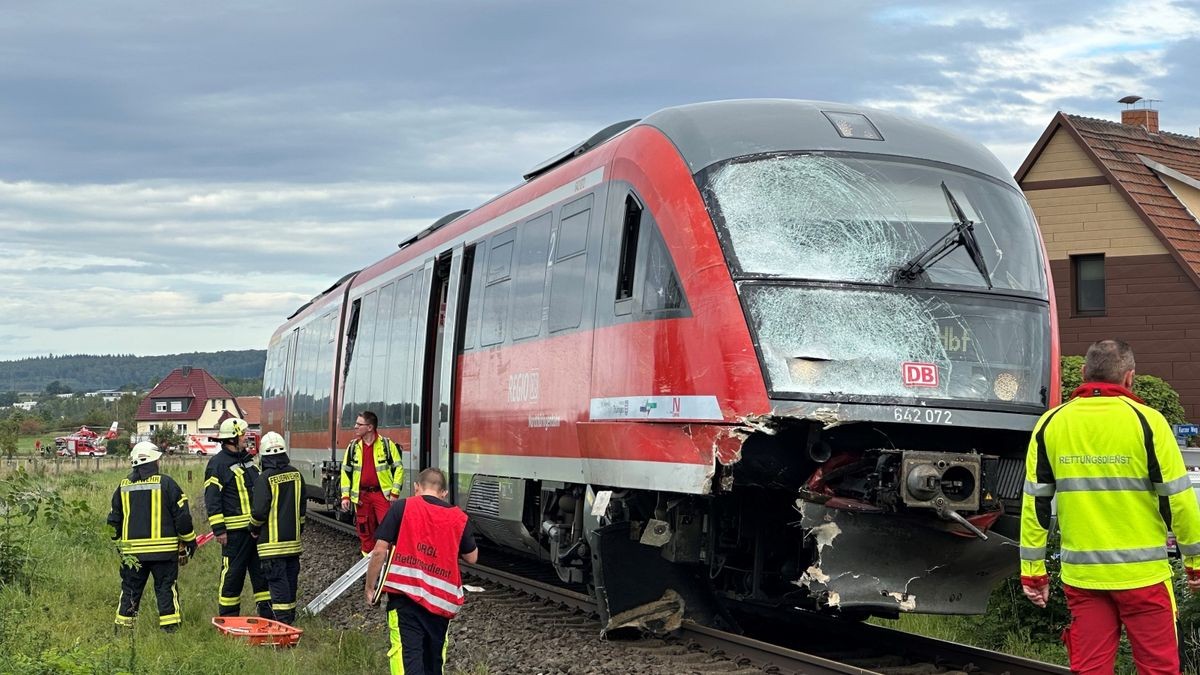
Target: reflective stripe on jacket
[[424, 562], [228, 483], [1118, 478], [278, 511], [150, 517], [388, 468]]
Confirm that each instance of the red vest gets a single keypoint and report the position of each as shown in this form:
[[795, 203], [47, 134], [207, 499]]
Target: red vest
[[424, 564]]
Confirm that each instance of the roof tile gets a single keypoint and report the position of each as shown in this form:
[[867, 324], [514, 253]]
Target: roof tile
[[194, 384], [1118, 147]]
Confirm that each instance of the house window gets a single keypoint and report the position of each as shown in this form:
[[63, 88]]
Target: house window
[[214, 403], [222, 404], [160, 406], [153, 428], [176, 406], [181, 428], [1087, 280]]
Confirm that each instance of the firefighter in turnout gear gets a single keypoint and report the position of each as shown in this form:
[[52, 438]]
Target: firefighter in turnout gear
[[150, 519], [370, 485], [229, 481], [1113, 466], [415, 561], [276, 521]]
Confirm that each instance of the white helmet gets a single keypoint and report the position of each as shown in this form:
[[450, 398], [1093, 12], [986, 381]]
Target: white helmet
[[272, 444], [232, 428], [144, 453]]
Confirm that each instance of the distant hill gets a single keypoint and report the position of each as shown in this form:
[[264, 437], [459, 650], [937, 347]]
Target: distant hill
[[83, 372]]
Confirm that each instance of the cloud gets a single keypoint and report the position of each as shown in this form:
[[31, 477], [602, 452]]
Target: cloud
[[1095, 57], [183, 176]]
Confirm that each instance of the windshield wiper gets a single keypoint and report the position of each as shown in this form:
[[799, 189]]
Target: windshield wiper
[[961, 234]]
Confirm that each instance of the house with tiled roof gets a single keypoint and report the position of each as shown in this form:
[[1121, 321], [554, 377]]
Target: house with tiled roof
[[1117, 205], [251, 407], [189, 400]]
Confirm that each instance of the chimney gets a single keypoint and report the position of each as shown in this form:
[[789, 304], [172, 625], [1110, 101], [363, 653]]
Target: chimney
[[1147, 118], [187, 370]]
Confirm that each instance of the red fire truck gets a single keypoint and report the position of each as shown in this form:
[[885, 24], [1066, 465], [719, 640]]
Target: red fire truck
[[85, 442]]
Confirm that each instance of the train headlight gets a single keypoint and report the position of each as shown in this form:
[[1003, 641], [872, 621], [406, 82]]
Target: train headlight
[[805, 371], [853, 125], [1006, 386]]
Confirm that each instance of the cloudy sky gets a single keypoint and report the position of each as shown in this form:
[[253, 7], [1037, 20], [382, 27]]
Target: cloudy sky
[[181, 176]]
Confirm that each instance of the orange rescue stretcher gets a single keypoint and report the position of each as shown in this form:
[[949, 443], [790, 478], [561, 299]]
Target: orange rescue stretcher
[[258, 631]]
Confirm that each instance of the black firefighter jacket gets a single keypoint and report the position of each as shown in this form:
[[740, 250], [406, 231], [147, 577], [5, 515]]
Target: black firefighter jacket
[[150, 516], [228, 483], [277, 515]]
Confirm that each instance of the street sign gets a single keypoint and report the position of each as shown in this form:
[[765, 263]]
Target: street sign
[[1186, 429]]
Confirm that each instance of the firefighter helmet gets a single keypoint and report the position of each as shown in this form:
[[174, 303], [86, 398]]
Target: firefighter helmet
[[144, 453], [271, 444], [231, 428]]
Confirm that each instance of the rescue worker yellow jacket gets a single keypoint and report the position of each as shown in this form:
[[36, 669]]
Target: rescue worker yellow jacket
[[1119, 483], [388, 468]]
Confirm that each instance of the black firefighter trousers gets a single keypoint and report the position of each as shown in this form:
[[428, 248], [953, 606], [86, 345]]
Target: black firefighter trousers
[[133, 583], [283, 574], [239, 557]]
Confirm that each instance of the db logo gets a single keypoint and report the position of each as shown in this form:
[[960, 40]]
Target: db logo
[[919, 374]]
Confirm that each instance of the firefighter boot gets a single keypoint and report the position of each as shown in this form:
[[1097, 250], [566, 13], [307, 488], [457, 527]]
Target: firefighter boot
[[264, 609]]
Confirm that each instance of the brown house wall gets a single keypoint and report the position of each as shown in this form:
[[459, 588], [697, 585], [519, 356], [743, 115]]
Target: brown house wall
[[1150, 304]]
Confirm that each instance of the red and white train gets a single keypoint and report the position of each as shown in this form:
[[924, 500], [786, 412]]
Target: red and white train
[[776, 352]]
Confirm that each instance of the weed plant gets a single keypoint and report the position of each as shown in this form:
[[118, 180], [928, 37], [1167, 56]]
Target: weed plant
[[59, 584]]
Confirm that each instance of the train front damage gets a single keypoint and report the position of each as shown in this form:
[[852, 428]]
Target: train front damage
[[901, 316]]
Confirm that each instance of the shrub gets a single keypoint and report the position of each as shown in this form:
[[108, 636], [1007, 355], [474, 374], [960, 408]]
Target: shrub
[[119, 446], [8, 437]]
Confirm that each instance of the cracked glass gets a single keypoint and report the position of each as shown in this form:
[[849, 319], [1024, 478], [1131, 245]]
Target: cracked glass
[[900, 345], [850, 219]]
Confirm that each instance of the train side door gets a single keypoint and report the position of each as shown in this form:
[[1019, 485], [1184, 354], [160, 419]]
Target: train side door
[[442, 296]]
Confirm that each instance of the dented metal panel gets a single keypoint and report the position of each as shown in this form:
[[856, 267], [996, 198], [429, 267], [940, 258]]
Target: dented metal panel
[[897, 563]]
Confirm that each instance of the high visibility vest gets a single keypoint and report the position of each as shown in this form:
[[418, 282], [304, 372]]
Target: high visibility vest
[[424, 563], [1119, 481], [388, 467]]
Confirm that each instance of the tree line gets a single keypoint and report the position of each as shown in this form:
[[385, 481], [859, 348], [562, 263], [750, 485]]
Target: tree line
[[87, 372]]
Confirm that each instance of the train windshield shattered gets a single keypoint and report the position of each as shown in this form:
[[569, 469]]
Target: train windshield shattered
[[928, 277]]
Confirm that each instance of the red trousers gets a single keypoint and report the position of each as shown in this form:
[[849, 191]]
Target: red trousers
[[1148, 615], [368, 514]]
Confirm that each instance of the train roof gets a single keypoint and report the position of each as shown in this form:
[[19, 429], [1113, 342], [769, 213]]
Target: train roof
[[706, 133]]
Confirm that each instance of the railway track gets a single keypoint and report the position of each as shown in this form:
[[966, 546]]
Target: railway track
[[803, 644]]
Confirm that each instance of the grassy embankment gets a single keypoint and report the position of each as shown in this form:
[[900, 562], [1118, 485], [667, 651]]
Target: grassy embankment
[[966, 630], [58, 618]]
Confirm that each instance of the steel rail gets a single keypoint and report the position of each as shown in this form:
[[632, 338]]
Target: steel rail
[[765, 655]]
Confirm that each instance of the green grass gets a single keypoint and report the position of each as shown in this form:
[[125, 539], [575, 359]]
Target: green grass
[[65, 623], [965, 630]]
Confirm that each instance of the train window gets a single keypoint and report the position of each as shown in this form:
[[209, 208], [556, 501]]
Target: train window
[[298, 383], [572, 234], [495, 293], [629, 244], [500, 262], [863, 220], [302, 372], [358, 384], [325, 329], [379, 360], [471, 325], [1087, 284], [399, 378], [661, 290], [531, 277], [568, 272]]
